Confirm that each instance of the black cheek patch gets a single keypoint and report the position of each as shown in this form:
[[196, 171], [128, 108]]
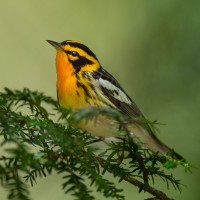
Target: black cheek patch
[[80, 62]]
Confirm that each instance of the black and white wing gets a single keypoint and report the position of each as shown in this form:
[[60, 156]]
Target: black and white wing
[[113, 92]]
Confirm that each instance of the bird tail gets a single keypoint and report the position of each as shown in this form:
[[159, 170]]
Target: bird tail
[[147, 138]]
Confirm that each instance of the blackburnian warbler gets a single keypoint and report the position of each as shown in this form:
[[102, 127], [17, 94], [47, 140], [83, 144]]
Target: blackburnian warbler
[[82, 82]]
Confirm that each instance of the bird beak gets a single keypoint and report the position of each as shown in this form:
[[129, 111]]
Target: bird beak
[[55, 44]]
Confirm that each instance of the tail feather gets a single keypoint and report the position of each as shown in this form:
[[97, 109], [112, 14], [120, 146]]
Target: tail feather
[[148, 139]]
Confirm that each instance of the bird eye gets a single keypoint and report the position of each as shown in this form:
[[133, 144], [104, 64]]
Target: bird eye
[[74, 53]]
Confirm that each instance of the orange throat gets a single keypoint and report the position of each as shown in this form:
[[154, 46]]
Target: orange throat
[[66, 81]]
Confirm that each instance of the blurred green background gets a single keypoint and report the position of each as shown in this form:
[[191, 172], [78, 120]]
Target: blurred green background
[[151, 47]]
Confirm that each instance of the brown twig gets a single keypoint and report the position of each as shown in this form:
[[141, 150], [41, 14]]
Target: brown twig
[[156, 193]]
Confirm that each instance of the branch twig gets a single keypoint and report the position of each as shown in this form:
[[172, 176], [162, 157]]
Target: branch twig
[[156, 193]]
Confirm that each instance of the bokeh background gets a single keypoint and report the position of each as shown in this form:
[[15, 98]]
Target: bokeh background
[[151, 47]]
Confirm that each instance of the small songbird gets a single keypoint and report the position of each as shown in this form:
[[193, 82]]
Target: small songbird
[[82, 82]]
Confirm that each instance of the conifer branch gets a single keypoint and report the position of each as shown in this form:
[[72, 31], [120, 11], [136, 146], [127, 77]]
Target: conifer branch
[[156, 193], [70, 151]]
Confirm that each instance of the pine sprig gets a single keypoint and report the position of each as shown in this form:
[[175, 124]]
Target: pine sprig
[[69, 151]]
